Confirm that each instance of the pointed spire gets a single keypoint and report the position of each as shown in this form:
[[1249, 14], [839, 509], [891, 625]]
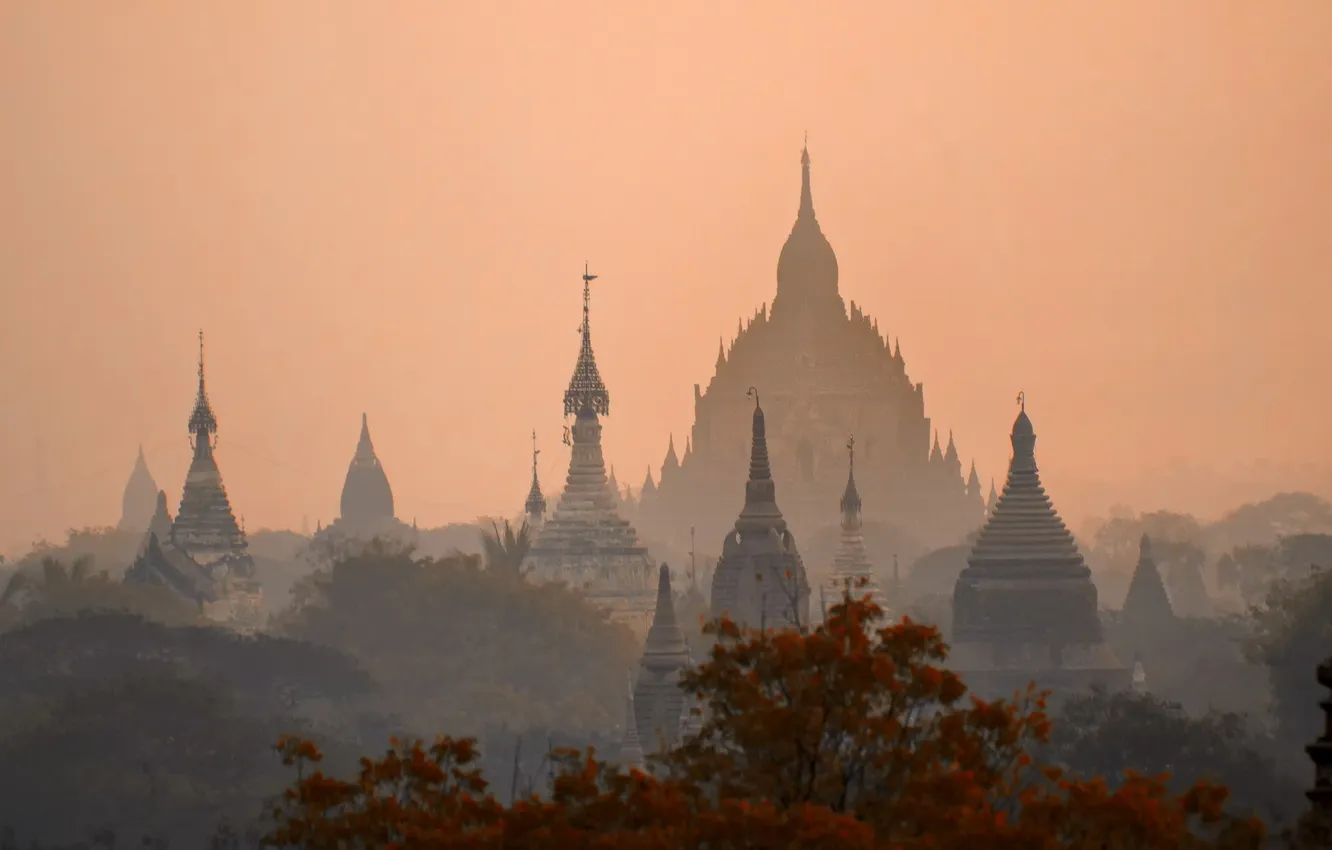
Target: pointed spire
[[203, 423], [897, 349], [721, 354], [850, 504], [950, 456], [1147, 604], [535, 506], [936, 454], [973, 481], [671, 462], [689, 448], [806, 194], [367, 497], [760, 510], [365, 449], [586, 389], [139, 496], [648, 485]]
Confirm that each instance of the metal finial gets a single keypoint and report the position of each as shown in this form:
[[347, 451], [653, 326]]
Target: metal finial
[[201, 359], [1022, 401], [851, 450], [535, 452], [753, 393]]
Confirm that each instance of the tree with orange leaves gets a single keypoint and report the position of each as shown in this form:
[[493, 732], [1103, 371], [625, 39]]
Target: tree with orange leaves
[[847, 736]]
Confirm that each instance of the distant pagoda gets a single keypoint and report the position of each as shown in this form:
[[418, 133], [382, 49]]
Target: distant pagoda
[[851, 568], [139, 501], [534, 509], [659, 703], [631, 749], [1320, 753], [1025, 607], [1147, 608], [585, 541], [204, 556], [760, 579], [366, 507]]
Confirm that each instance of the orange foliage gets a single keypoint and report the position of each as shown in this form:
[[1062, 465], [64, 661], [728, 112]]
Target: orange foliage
[[848, 736]]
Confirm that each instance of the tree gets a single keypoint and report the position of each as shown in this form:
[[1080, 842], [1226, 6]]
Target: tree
[[55, 589], [844, 736], [1100, 734], [1263, 523], [506, 550]]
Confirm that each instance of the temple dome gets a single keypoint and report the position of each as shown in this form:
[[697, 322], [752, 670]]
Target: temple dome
[[807, 266], [366, 495]]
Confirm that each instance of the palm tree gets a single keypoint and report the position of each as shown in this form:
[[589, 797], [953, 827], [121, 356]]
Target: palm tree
[[506, 550]]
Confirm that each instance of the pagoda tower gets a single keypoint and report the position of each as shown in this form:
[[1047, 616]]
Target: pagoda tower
[[851, 565], [631, 750], [658, 700], [1320, 753], [366, 509], [826, 370], [140, 497], [1025, 607], [1147, 606], [760, 579], [204, 527], [585, 541], [534, 509]]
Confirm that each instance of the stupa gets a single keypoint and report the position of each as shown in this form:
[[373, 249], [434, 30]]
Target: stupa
[[1320, 753], [534, 509], [1147, 608], [140, 497], [1024, 608], [366, 506], [631, 750], [585, 541], [851, 570], [658, 700], [760, 579]]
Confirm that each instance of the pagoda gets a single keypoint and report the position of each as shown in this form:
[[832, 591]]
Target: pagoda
[[851, 570], [366, 506], [1147, 608], [631, 750], [659, 702], [205, 556], [760, 578], [1320, 753], [140, 497], [1024, 608], [534, 509], [826, 371], [585, 541]]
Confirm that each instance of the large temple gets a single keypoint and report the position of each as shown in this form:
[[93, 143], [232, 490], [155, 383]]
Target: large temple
[[366, 507], [825, 373], [1024, 608], [205, 556], [585, 541], [760, 579]]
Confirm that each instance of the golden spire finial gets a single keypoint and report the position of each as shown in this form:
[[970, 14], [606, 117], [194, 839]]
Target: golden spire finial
[[1022, 401]]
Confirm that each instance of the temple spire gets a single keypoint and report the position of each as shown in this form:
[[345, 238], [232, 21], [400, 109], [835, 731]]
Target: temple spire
[[851, 497], [631, 751], [586, 389], [806, 194], [535, 506], [203, 423]]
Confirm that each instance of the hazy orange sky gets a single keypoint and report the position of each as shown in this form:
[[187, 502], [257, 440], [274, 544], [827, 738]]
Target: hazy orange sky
[[1122, 208]]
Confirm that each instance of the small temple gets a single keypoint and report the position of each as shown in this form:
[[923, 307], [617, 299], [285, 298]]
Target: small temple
[[659, 703], [631, 750], [139, 501], [1147, 606], [204, 556], [585, 541], [760, 579], [366, 507], [1025, 607], [851, 569], [534, 509]]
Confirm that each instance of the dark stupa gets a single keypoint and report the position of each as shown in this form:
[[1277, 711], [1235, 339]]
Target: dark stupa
[[140, 498], [1025, 607], [367, 498], [760, 580]]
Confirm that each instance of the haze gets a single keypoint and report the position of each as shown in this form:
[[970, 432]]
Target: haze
[[1122, 209]]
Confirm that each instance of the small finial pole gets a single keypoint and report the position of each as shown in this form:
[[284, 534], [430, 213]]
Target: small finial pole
[[535, 451], [753, 393], [1022, 401], [851, 450], [201, 358], [692, 583]]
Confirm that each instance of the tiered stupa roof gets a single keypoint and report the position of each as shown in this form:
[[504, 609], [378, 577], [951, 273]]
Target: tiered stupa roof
[[851, 565], [1026, 600], [205, 526], [535, 506], [658, 700], [140, 497], [585, 541], [760, 579]]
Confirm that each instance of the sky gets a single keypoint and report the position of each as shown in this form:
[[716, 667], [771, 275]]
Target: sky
[[1123, 210]]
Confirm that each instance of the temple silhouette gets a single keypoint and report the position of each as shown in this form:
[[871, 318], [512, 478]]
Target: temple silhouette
[[825, 373]]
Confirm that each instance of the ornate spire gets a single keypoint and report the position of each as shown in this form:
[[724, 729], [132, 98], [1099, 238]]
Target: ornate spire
[[631, 751], [807, 266], [535, 506], [760, 510], [203, 424], [586, 389], [850, 497], [658, 700]]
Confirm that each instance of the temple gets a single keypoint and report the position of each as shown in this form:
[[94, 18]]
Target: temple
[[1147, 608], [366, 506], [1024, 608], [205, 556], [825, 373], [659, 703], [585, 541], [851, 570], [760, 580], [140, 498]]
